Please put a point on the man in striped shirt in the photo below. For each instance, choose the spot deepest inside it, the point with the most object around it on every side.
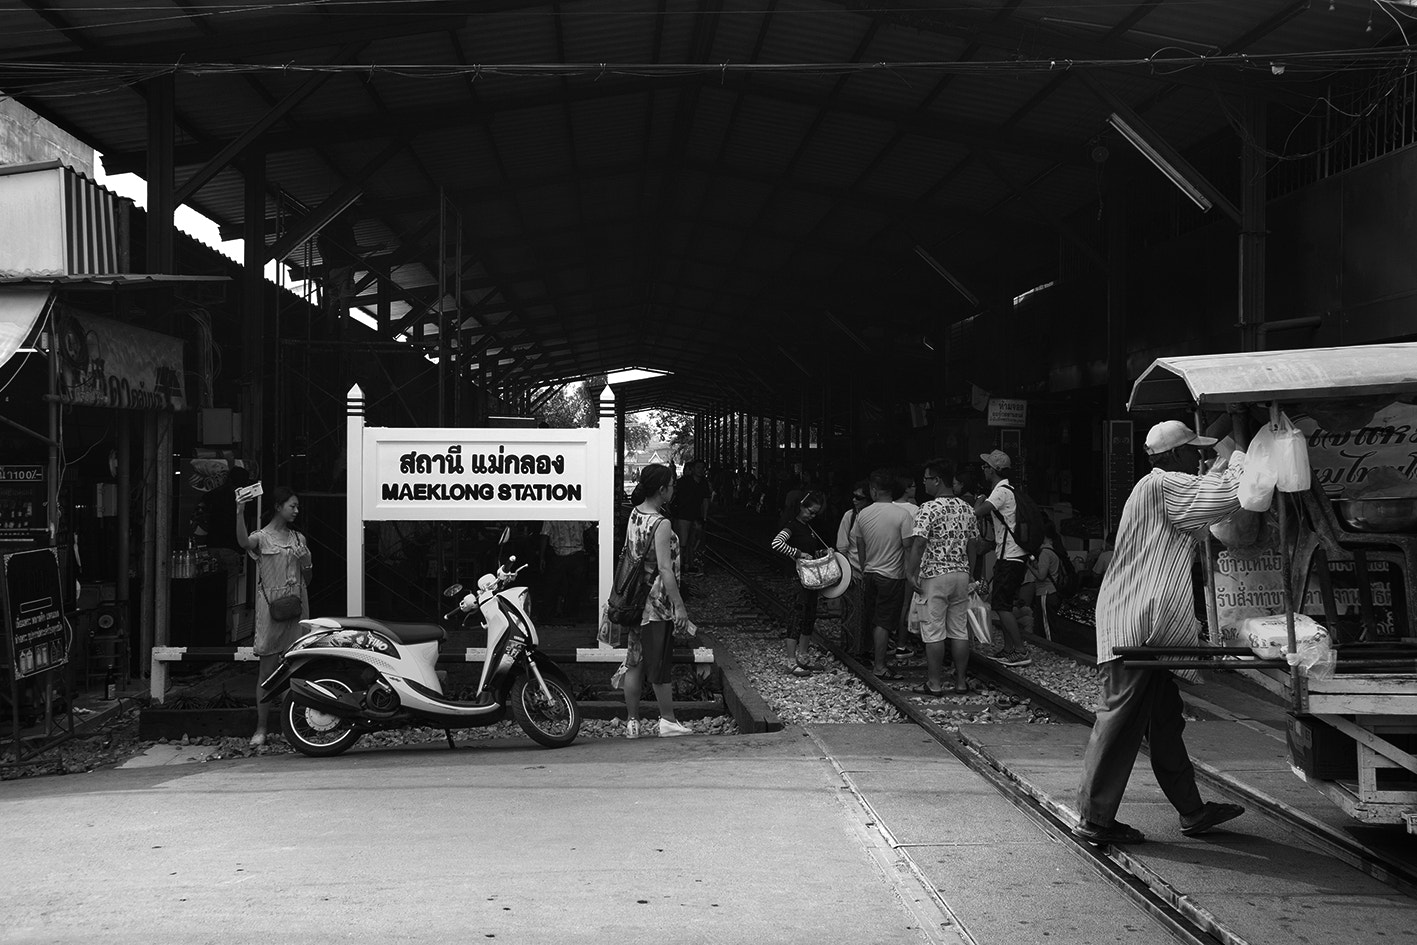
(1146, 600)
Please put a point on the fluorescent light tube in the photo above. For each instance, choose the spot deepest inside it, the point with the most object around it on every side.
(1162, 163)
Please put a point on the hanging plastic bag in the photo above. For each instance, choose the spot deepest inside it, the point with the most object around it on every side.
(1291, 456)
(980, 617)
(1259, 476)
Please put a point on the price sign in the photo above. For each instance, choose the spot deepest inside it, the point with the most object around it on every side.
(1121, 470)
(34, 612)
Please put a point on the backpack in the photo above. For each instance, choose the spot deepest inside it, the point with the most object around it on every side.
(1067, 579)
(1028, 522)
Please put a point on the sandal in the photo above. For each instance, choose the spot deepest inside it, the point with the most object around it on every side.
(258, 739)
(961, 691)
(800, 670)
(924, 690)
(889, 673)
(1115, 832)
(1211, 815)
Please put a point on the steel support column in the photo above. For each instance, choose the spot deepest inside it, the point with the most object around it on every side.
(1252, 225)
(1117, 379)
(162, 204)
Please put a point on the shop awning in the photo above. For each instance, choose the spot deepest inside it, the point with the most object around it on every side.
(21, 308)
(1285, 376)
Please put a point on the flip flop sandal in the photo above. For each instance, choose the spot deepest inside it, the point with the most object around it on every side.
(924, 690)
(957, 691)
(889, 674)
(1212, 815)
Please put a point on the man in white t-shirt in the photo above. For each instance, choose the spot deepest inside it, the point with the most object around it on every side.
(1010, 561)
(881, 532)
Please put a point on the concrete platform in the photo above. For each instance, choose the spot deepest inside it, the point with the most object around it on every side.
(1268, 883)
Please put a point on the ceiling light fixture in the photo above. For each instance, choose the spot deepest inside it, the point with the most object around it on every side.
(1160, 154)
(945, 274)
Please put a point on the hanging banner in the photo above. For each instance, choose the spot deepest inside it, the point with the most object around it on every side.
(105, 363)
(1347, 462)
(34, 612)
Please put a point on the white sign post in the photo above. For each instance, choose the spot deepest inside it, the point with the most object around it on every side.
(476, 475)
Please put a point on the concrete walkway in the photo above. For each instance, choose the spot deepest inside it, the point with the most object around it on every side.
(753, 839)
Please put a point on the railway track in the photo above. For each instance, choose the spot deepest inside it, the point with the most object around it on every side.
(767, 581)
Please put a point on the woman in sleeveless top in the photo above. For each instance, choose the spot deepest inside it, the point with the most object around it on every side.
(650, 647)
(283, 566)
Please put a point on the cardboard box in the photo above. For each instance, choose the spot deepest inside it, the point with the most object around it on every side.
(1320, 750)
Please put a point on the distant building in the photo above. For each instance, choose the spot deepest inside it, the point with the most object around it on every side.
(662, 453)
(25, 138)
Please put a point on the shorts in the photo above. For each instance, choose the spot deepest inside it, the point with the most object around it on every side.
(882, 601)
(946, 607)
(1004, 587)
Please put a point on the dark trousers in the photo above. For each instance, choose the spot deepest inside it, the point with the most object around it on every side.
(1137, 703)
(803, 622)
(565, 584)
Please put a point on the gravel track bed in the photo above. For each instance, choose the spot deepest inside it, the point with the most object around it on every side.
(836, 695)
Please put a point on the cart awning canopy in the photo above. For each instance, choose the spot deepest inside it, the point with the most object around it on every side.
(1286, 376)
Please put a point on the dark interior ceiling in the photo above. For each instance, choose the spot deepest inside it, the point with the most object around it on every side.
(717, 188)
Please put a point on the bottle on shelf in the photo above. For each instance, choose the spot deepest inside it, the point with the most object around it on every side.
(110, 682)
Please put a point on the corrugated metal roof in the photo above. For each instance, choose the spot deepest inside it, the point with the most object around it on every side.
(646, 190)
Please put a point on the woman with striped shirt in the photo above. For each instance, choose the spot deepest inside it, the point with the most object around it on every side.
(1146, 600)
(798, 539)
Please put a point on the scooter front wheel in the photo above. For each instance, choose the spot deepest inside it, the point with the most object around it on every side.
(315, 733)
(551, 722)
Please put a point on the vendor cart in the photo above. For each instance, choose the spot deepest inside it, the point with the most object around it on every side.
(1353, 726)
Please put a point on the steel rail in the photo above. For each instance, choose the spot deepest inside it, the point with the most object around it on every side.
(1116, 864)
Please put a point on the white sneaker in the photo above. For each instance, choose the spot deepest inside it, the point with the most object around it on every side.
(632, 728)
(668, 729)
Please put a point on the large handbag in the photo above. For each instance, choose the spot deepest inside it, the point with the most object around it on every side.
(630, 589)
(818, 573)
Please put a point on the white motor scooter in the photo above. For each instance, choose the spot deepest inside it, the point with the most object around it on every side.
(351, 675)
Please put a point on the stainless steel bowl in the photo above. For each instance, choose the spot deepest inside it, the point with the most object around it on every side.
(1378, 514)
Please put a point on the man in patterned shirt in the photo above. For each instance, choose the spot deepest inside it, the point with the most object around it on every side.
(937, 566)
(1146, 600)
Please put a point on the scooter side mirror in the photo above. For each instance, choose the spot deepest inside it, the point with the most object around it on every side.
(452, 590)
(505, 537)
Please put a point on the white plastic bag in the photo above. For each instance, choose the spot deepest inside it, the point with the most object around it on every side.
(1291, 456)
(981, 624)
(1259, 475)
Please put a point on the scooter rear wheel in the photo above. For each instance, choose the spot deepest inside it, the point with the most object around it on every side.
(552, 723)
(315, 733)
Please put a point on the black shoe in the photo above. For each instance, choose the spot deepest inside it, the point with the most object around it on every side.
(1210, 815)
(1115, 832)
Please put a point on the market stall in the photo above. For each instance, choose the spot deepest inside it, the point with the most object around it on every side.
(1328, 566)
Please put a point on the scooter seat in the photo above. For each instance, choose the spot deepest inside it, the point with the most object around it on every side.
(401, 632)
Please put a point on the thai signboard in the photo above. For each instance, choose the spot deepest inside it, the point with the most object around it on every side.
(495, 473)
(105, 363)
(1254, 587)
(34, 612)
(1343, 460)
(1007, 413)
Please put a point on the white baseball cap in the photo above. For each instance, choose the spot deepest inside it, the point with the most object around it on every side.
(1169, 434)
(997, 459)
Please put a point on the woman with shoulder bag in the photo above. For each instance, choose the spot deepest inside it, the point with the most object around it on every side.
(650, 646)
(283, 568)
(798, 540)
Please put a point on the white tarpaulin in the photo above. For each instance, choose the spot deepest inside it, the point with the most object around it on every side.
(20, 308)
